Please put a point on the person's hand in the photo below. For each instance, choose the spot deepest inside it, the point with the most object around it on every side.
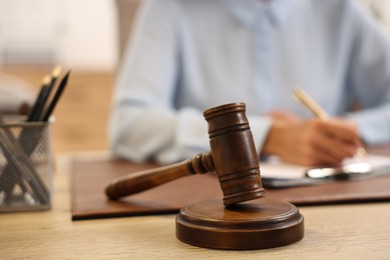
(283, 116)
(311, 142)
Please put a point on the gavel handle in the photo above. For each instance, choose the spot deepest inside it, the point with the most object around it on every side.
(144, 180)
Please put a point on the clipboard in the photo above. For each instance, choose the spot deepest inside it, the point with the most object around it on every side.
(90, 177)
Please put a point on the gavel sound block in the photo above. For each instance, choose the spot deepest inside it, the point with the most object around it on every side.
(244, 219)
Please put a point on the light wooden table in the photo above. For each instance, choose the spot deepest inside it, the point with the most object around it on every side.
(356, 231)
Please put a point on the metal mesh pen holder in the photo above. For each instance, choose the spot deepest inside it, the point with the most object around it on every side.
(25, 166)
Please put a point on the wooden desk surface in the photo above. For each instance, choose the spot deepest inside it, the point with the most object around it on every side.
(354, 231)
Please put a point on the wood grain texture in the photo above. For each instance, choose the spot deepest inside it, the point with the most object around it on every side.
(354, 231)
(256, 224)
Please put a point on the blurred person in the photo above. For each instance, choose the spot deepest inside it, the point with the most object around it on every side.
(186, 56)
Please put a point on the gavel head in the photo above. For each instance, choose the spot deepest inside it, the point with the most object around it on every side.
(234, 155)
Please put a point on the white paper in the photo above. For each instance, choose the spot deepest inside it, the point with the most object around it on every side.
(275, 168)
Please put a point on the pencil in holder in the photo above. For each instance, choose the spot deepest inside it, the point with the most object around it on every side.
(26, 166)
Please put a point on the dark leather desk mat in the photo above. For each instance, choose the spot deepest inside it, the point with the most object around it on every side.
(90, 177)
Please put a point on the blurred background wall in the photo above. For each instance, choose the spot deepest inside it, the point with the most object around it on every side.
(78, 34)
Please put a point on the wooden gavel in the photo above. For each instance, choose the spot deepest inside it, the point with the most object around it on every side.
(232, 156)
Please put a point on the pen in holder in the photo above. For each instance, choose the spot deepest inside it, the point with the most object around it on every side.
(25, 165)
(25, 154)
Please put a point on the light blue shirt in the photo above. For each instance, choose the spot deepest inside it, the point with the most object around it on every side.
(186, 56)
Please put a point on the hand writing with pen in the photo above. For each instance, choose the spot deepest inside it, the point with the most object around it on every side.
(312, 142)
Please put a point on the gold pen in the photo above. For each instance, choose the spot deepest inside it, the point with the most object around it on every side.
(312, 106)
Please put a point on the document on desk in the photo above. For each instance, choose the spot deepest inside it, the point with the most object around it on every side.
(278, 174)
